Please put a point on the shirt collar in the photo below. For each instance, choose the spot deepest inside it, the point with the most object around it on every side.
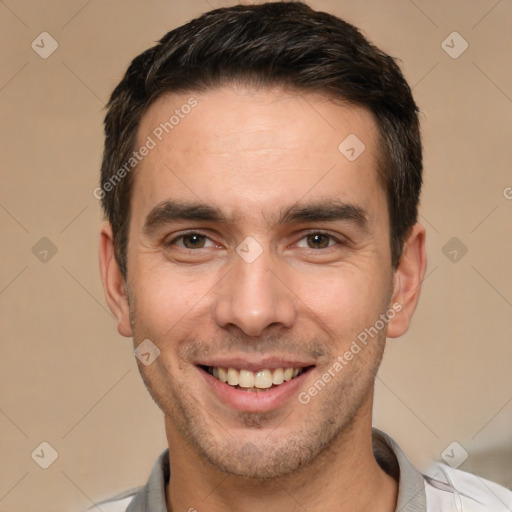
(411, 484)
(411, 488)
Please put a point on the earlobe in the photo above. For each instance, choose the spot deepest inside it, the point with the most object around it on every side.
(114, 284)
(407, 281)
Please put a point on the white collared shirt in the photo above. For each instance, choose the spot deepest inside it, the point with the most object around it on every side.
(441, 489)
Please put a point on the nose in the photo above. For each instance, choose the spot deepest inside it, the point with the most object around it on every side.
(253, 297)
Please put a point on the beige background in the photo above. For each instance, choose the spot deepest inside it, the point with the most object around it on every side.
(69, 379)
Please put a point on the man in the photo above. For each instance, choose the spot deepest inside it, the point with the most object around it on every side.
(261, 179)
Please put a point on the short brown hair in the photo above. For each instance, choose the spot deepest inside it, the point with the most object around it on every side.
(271, 44)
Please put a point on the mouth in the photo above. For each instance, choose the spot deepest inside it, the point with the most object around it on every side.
(262, 380)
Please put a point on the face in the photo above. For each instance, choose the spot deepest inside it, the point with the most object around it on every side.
(259, 253)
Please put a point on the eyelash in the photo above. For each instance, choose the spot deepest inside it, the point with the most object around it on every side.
(322, 233)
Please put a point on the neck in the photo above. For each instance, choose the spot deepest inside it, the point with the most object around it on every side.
(345, 477)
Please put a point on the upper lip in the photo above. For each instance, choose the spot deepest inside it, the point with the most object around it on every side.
(255, 364)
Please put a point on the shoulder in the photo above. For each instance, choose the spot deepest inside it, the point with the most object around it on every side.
(146, 497)
(452, 489)
(118, 503)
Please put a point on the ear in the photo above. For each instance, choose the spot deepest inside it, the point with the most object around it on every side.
(407, 281)
(114, 284)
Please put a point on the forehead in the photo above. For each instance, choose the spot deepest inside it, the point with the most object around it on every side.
(247, 149)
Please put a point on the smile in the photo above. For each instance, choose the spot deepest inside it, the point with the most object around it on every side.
(255, 381)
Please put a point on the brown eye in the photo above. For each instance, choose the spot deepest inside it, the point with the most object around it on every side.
(318, 241)
(193, 241)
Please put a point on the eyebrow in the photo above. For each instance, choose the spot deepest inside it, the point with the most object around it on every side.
(172, 211)
(320, 211)
(326, 211)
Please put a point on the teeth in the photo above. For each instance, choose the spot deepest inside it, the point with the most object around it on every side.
(246, 379)
(223, 375)
(278, 376)
(262, 379)
(232, 377)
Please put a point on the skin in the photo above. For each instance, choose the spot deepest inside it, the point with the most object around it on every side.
(253, 154)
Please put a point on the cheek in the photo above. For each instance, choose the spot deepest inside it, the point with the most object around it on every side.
(345, 300)
(168, 301)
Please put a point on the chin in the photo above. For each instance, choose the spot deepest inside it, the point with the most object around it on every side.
(264, 461)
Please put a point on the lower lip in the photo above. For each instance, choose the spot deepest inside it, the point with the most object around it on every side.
(255, 401)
